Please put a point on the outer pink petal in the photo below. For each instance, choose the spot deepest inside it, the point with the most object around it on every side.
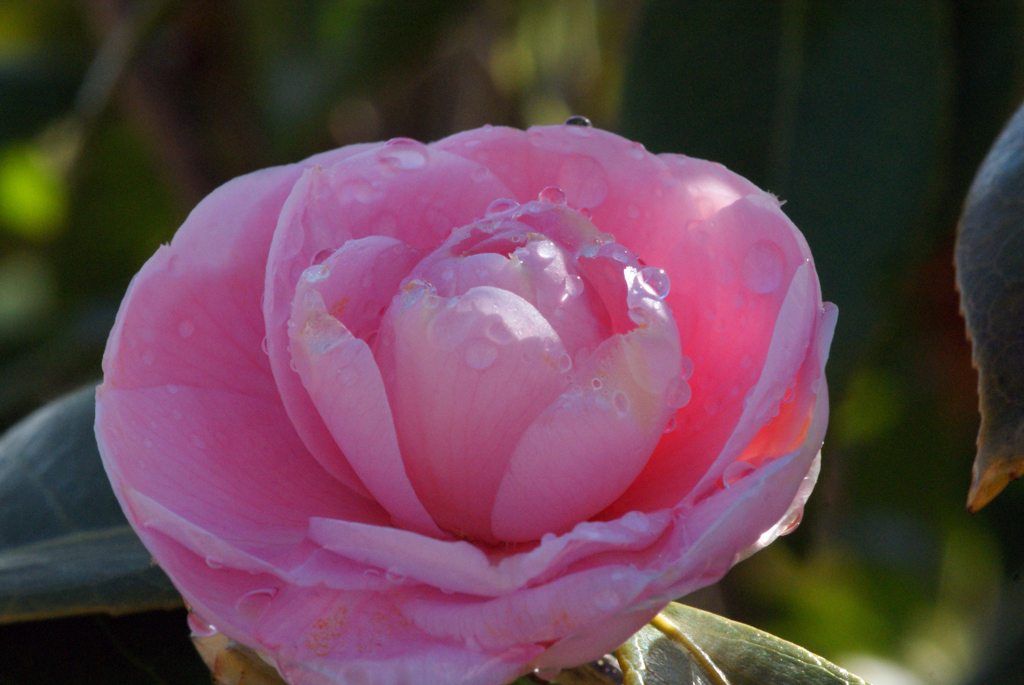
(321, 636)
(405, 191)
(188, 412)
(634, 195)
(461, 567)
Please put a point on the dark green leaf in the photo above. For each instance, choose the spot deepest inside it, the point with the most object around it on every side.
(150, 648)
(837, 107)
(990, 275)
(687, 646)
(65, 546)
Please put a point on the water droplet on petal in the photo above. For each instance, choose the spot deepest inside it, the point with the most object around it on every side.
(499, 332)
(480, 354)
(397, 157)
(596, 383)
(578, 120)
(316, 273)
(616, 252)
(573, 285)
(214, 563)
(371, 573)
(394, 576)
(679, 393)
(621, 403)
(546, 249)
(636, 150)
(251, 605)
(798, 516)
(502, 205)
(763, 267)
(552, 195)
(672, 424)
(265, 345)
(735, 471)
(687, 365)
(606, 600)
(321, 257)
(564, 363)
(655, 282)
(199, 626)
(186, 328)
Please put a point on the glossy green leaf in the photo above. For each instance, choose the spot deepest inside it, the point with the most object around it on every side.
(990, 276)
(65, 546)
(687, 646)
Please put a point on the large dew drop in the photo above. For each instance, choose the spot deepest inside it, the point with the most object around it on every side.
(480, 354)
(552, 195)
(655, 282)
(763, 267)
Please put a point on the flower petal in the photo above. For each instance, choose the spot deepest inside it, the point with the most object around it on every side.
(340, 374)
(600, 432)
(403, 191)
(749, 269)
(467, 380)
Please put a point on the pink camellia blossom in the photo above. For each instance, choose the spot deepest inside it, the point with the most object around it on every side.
(408, 413)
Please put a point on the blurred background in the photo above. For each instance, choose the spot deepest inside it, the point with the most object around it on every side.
(868, 118)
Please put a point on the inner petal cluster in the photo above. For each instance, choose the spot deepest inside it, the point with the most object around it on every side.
(526, 367)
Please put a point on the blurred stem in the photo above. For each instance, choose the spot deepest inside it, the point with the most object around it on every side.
(113, 57)
(787, 99)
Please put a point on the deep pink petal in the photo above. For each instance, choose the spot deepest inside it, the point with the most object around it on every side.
(402, 191)
(741, 266)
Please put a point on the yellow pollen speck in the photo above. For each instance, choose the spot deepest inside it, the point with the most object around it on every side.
(339, 307)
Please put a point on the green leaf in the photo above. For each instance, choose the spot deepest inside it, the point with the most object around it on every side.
(990, 276)
(684, 646)
(836, 107)
(65, 546)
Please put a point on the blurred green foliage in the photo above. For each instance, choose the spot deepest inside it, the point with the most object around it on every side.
(868, 119)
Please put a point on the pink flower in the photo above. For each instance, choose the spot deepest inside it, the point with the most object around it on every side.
(383, 424)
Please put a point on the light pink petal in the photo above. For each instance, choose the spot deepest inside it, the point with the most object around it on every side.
(340, 374)
(188, 413)
(403, 191)
(215, 459)
(319, 636)
(470, 374)
(644, 200)
(542, 613)
(461, 567)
